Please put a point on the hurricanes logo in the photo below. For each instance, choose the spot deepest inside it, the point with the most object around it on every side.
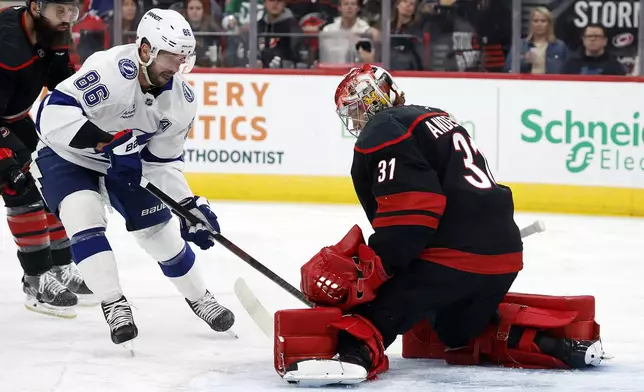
(580, 157)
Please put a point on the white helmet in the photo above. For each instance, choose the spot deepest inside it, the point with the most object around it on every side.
(166, 30)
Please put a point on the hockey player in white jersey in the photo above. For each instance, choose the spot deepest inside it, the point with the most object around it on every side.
(125, 114)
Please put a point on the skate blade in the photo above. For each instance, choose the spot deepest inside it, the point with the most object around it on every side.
(129, 346)
(54, 311)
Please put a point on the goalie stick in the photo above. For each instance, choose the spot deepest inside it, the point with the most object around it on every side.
(263, 318)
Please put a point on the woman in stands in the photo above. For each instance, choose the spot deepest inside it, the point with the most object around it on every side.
(541, 51)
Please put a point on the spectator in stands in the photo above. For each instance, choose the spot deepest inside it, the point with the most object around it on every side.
(281, 38)
(102, 8)
(493, 24)
(453, 40)
(593, 58)
(130, 18)
(236, 14)
(338, 39)
(541, 51)
(406, 37)
(89, 34)
(370, 11)
(327, 9)
(311, 24)
(208, 46)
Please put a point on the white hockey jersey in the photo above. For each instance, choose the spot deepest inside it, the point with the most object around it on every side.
(106, 90)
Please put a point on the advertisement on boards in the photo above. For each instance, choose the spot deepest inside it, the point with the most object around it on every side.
(577, 136)
(267, 124)
(539, 132)
(270, 124)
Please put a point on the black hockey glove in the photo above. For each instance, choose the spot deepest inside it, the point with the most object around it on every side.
(15, 179)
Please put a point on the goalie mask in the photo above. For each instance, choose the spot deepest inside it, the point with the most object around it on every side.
(362, 93)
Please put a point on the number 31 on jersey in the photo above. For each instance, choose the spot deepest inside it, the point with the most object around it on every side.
(476, 176)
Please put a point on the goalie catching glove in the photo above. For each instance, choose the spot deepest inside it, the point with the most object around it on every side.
(201, 234)
(343, 275)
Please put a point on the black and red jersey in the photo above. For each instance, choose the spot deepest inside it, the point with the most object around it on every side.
(429, 194)
(25, 68)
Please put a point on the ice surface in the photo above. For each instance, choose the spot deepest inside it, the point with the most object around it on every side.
(177, 352)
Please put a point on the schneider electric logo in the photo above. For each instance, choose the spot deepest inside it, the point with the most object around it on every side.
(592, 142)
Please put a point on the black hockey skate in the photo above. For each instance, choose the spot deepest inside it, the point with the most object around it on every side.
(71, 277)
(46, 295)
(118, 315)
(209, 310)
(580, 354)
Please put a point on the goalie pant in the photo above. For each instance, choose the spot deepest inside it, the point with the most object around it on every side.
(438, 309)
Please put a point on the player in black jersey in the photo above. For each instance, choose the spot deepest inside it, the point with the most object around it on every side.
(34, 54)
(445, 250)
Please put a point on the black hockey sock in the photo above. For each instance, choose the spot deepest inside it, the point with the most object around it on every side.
(35, 263)
(61, 257)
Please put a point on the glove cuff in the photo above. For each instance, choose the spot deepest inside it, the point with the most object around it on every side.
(374, 271)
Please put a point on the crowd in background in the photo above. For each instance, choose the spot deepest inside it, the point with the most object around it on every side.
(430, 35)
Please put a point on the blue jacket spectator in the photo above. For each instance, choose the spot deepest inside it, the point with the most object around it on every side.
(541, 51)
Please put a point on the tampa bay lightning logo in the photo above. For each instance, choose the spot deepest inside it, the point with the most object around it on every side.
(187, 92)
(128, 69)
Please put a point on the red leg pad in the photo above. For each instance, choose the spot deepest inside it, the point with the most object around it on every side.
(422, 342)
(304, 334)
(583, 327)
(569, 317)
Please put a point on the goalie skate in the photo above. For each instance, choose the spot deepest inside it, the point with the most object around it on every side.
(322, 372)
(584, 353)
(46, 295)
(70, 277)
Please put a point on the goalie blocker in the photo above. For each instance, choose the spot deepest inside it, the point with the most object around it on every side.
(531, 331)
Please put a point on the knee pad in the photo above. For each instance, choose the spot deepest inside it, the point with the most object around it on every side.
(162, 242)
(561, 317)
(82, 210)
(313, 334)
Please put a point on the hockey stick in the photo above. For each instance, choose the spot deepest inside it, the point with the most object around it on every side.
(184, 213)
(536, 227)
(263, 318)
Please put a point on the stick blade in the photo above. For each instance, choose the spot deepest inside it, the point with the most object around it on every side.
(254, 308)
